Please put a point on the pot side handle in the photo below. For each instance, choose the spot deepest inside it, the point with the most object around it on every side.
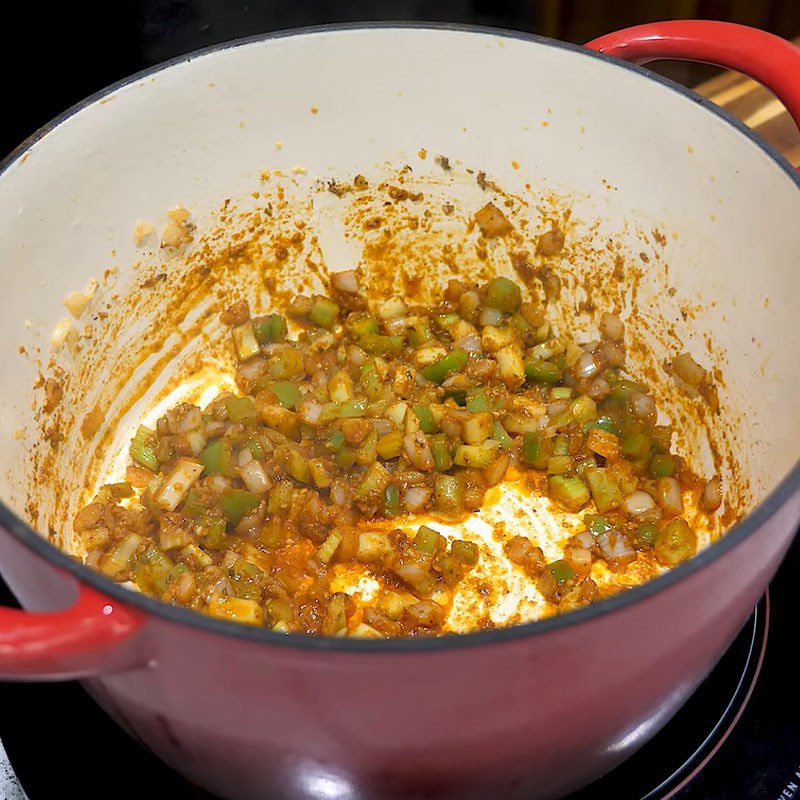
(76, 642)
(768, 59)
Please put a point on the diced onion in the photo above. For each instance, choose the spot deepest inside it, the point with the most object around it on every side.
(557, 409)
(711, 498)
(310, 411)
(584, 539)
(254, 477)
(184, 419)
(394, 307)
(688, 370)
(614, 547)
(345, 281)
(178, 483)
(580, 559)
(643, 405)
(496, 471)
(397, 413)
(416, 497)
(418, 450)
(117, 560)
(611, 327)
(518, 423)
(396, 326)
(219, 483)
(669, 496)
(364, 631)
(328, 548)
(639, 504)
(356, 355)
(471, 343)
(338, 494)
(197, 442)
(599, 389)
(585, 366)
(613, 352)
(250, 370)
(215, 428)
(490, 316)
(372, 546)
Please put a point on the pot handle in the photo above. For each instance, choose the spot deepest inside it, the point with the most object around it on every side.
(772, 61)
(75, 642)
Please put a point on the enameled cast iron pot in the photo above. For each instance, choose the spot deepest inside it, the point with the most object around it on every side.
(530, 711)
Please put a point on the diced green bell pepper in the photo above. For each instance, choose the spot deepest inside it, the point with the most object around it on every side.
(288, 393)
(452, 362)
(379, 345)
(429, 541)
(391, 501)
(449, 494)
(635, 445)
(427, 424)
(571, 492)
(646, 533)
(235, 503)
(597, 524)
(540, 371)
(504, 295)
(442, 459)
(662, 466)
(217, 458)
(271, 328)
(373, 387)
(240, 409)
(323, 312)
(604, 488)
(536, 451)
(215, 536)
(477, 401)
(465, 552)
(499, 434)
(561, 571)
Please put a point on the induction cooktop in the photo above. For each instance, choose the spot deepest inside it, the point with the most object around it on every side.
(737, 738)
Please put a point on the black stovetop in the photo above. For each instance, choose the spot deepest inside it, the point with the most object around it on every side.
(737, 738)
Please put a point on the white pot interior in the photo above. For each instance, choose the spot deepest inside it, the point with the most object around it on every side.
(557, 129)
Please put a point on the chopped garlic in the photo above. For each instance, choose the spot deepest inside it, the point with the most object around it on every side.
(142, 231)
(179, 214)
(75, 303)
(59, 334)
(174, 235)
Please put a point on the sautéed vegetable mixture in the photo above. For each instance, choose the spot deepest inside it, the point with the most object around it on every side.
(376, 413)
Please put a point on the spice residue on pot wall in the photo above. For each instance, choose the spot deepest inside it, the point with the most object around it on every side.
(150, 336)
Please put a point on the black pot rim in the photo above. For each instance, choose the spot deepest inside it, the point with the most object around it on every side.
(734, 537)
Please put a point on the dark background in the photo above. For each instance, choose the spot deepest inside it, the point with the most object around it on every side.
(55, 54)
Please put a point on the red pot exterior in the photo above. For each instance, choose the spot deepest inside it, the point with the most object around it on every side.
(530, 717)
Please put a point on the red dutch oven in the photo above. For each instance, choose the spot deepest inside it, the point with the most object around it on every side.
(528, 711)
